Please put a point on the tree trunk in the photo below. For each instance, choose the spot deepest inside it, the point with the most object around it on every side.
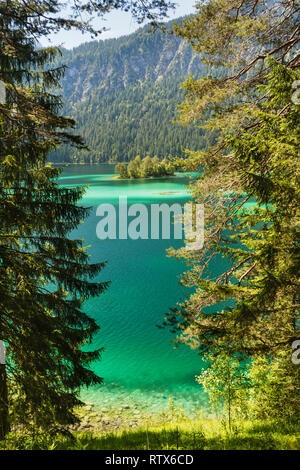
(229, 397)
(4, 427)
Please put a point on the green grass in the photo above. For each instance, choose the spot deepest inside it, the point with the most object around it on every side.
(206, 434)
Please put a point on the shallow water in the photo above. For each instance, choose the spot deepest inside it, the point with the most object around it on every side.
(140, 366)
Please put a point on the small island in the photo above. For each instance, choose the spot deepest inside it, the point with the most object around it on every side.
(145, 168)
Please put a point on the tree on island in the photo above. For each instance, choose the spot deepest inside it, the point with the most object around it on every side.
(145, 168)
(45, 276)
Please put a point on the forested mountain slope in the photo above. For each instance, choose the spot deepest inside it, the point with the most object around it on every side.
(123, 93)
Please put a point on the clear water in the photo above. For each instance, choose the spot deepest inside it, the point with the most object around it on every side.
(140, 366)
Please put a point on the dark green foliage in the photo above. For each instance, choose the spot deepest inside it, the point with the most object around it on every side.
(123, 94)
(44, 275)
(249, 186)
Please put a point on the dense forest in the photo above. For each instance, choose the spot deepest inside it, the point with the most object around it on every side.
(124, 92)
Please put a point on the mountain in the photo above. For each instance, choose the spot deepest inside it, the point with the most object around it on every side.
(123, 94)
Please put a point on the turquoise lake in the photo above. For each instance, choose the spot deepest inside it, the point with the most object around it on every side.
(139, 365)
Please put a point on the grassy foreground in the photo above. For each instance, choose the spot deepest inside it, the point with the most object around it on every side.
(202, 434)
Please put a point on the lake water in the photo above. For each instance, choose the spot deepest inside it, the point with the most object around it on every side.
(139, 365)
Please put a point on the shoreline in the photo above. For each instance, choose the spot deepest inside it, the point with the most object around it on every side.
(102, 419)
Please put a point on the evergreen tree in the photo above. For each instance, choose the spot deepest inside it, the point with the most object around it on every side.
(44, 275)
(248, 183)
